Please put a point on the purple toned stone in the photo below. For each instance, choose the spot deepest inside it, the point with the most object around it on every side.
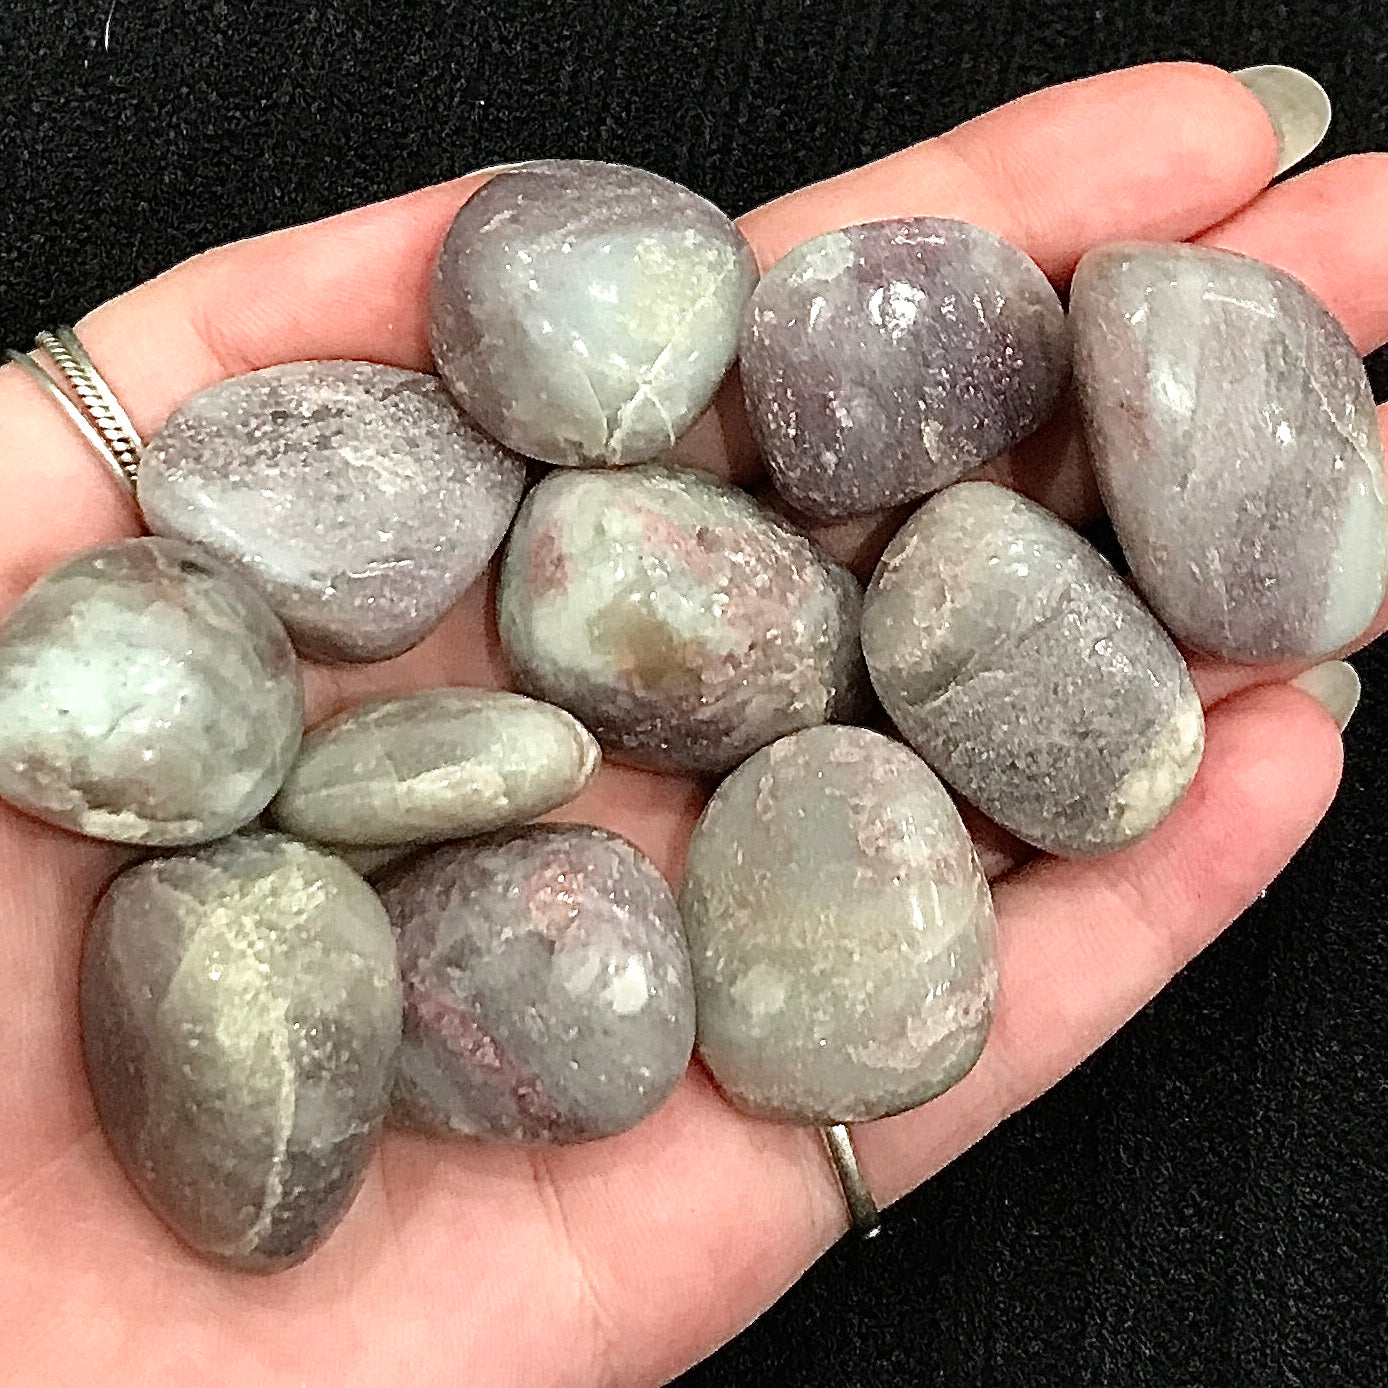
(354, 496)
(683, 624)
(547, 988)
(1236, 446)
(884, 361)
(585, 313)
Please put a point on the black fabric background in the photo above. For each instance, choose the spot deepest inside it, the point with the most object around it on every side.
(1204, 1202)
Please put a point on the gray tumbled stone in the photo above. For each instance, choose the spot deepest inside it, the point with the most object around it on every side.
(356, 497)
(684, 625)
(1236, 446)
(585, 313)
(840, 931)
(1023, 669)
(547, 988)
(241, 1018)
(441, 764)
(147, 695)
(886, 360)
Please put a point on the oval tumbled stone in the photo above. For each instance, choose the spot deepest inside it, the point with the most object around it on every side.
(147, 695)
(1237, 448)
(840, 931)
(241, 1017)
(1023, 669)
(682, 623)
(547, 989)
(584, 313)
(442, 764)
(356, 497)
(886, 360)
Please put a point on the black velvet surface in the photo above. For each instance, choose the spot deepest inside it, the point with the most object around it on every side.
(1203, 1203)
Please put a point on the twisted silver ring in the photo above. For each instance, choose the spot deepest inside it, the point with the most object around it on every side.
(863, 1214)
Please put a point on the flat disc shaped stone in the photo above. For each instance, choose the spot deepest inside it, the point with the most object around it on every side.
(841, 932)
(443, 764)
(1026, 672)
(241, 1018)
(684, 625)
(1237, 448)
(886, 360)
(354, 496)
(585, 313)
(547, 988)
(147, 695)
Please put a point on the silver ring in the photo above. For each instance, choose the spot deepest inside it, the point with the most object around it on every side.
(863, 1214)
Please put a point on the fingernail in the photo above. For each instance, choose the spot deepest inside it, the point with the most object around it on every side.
(496, 169)
(1296, 105)
(1334, 686)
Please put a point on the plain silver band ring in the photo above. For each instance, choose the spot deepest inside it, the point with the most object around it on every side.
(862, 1208)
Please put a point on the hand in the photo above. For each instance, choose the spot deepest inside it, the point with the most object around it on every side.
(623, 1261)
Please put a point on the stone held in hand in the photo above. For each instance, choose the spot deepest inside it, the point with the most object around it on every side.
(884, 361)
(147, 695)
(1237, 448)
(1024, 670)
(547, 988)
(241, 1018)
(440, 764)
(356, 497)
(584, 313)
(682, 623)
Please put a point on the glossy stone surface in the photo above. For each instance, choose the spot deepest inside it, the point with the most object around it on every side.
(886, 360)
(442, 764)
(840, 930)
(241, 1018)
(684, 625)
(356, 497)
(547, 988)
(584, 313)
(147, 695)
(1237, 448)
(1025, 671)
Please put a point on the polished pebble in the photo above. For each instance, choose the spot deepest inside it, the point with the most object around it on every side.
(356, 497)
(840, 930)
(683, 624)
(147, 695)
(441, 764)
(241, 1018)
(547, 988)
(1237, 448)
(585, 313)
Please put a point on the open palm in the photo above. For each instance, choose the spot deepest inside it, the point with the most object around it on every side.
(623, 1261)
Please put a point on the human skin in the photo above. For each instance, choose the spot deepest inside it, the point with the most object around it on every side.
(623, 1261)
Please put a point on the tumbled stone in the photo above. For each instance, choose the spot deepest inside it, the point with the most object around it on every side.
(547, 989)
(356, 497)
(147, 695)
(1237, 449)
(684, 625)
(585, 313)
(241, 1017)
(886, 360)
(840, 931)
(442, 764)
(1022, 668)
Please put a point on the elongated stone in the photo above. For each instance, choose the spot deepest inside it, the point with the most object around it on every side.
(840, 930)
(1237, 449)
(356, 497)
(682, 623)
(147, 695)
(547, 988)
(584, 313)
(241, 1018)
(443, 764)
(884, 361)
(1023, 669)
